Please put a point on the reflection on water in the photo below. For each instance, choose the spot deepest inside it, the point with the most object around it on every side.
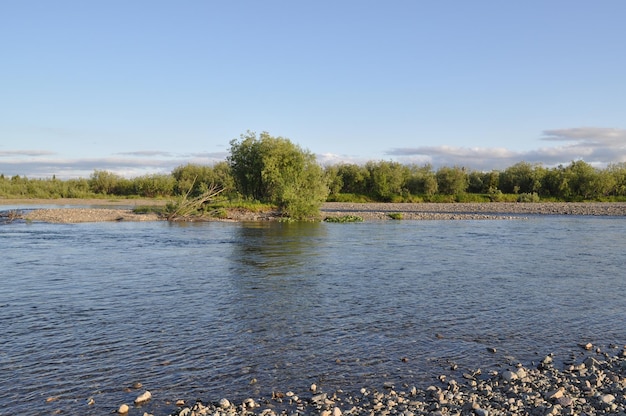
(201, 310)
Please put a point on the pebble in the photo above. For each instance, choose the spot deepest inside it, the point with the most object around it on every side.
(144, 397)
(607, 398)
(509, 375)
(598, 389)
(123, 409)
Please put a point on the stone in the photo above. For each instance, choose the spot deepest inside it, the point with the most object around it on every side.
(250, 403)
(481, 412)
(313, 387)
(607, 398)
(144, 397)
(555, 394)
(565, 401)
(224, 403)
(336, 411)
(123, 409)
(590, 362)
(319, 399)
(509, 376)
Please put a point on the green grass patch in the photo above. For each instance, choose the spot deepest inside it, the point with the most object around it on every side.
(344, 219)
(396, 216)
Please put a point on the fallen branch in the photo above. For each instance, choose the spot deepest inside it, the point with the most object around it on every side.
(186, 208)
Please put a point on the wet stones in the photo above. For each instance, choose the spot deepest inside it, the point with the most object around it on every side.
(144, 397)
(594, 385)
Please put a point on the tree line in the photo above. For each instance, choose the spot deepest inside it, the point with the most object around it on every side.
(274, 170)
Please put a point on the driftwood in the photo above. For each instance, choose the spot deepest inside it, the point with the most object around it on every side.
(186, 208)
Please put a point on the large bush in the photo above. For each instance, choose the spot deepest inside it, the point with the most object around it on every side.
(273, 169)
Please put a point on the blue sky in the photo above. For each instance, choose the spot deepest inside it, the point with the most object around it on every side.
(137, 87)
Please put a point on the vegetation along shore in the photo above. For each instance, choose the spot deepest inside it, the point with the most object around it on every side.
(266, 176)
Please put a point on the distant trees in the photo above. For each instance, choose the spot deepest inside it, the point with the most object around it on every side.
(198, 179)
(276, 171)
(452, 181)
(390, 181)
(386, 179)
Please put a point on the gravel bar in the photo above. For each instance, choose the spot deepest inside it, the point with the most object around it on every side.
(367, 211)
(490, 210)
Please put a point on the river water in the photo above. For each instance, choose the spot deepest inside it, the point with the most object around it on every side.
(237, 310)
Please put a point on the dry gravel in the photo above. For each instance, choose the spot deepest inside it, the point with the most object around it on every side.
(368, 211)
(493, 210)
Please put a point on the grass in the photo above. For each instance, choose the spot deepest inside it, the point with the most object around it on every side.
(396, 216)
(344, 219)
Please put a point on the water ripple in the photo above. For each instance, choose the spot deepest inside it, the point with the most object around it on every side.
(198, 311)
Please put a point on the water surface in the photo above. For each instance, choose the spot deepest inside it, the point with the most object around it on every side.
(199, 310)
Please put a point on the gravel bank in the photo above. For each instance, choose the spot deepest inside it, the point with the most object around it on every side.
(368, 211)
(78, 215)
(593, 384)
(493, 210)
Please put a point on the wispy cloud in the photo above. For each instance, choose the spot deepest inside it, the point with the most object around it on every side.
(27, 153)
(597, 146)
(594, 145)
(591, 135)
(146, 153)
(44, 166)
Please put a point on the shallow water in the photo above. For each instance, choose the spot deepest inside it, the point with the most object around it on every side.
(199, 310)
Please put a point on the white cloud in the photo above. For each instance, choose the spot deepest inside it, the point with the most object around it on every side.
(594, 145)
(591, 135)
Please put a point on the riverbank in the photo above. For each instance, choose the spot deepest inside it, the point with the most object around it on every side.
(89, 210)
(592, 384)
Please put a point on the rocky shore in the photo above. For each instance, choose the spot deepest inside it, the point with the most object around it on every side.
(367, 211)
(594, 384)
(491, 210)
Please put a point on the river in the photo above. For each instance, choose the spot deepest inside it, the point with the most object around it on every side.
(237, 310)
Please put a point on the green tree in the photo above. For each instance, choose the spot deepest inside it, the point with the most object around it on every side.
(422, 180)
(333, 179)
(103, 182)
(520, 178)
(452, 181)
(199, 178)
(354, 178)
(386, 179)
(618, 172)
(582, 180)
(273, 169)
(151, 186)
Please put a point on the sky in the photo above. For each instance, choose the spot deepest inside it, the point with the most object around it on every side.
(140, 87)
